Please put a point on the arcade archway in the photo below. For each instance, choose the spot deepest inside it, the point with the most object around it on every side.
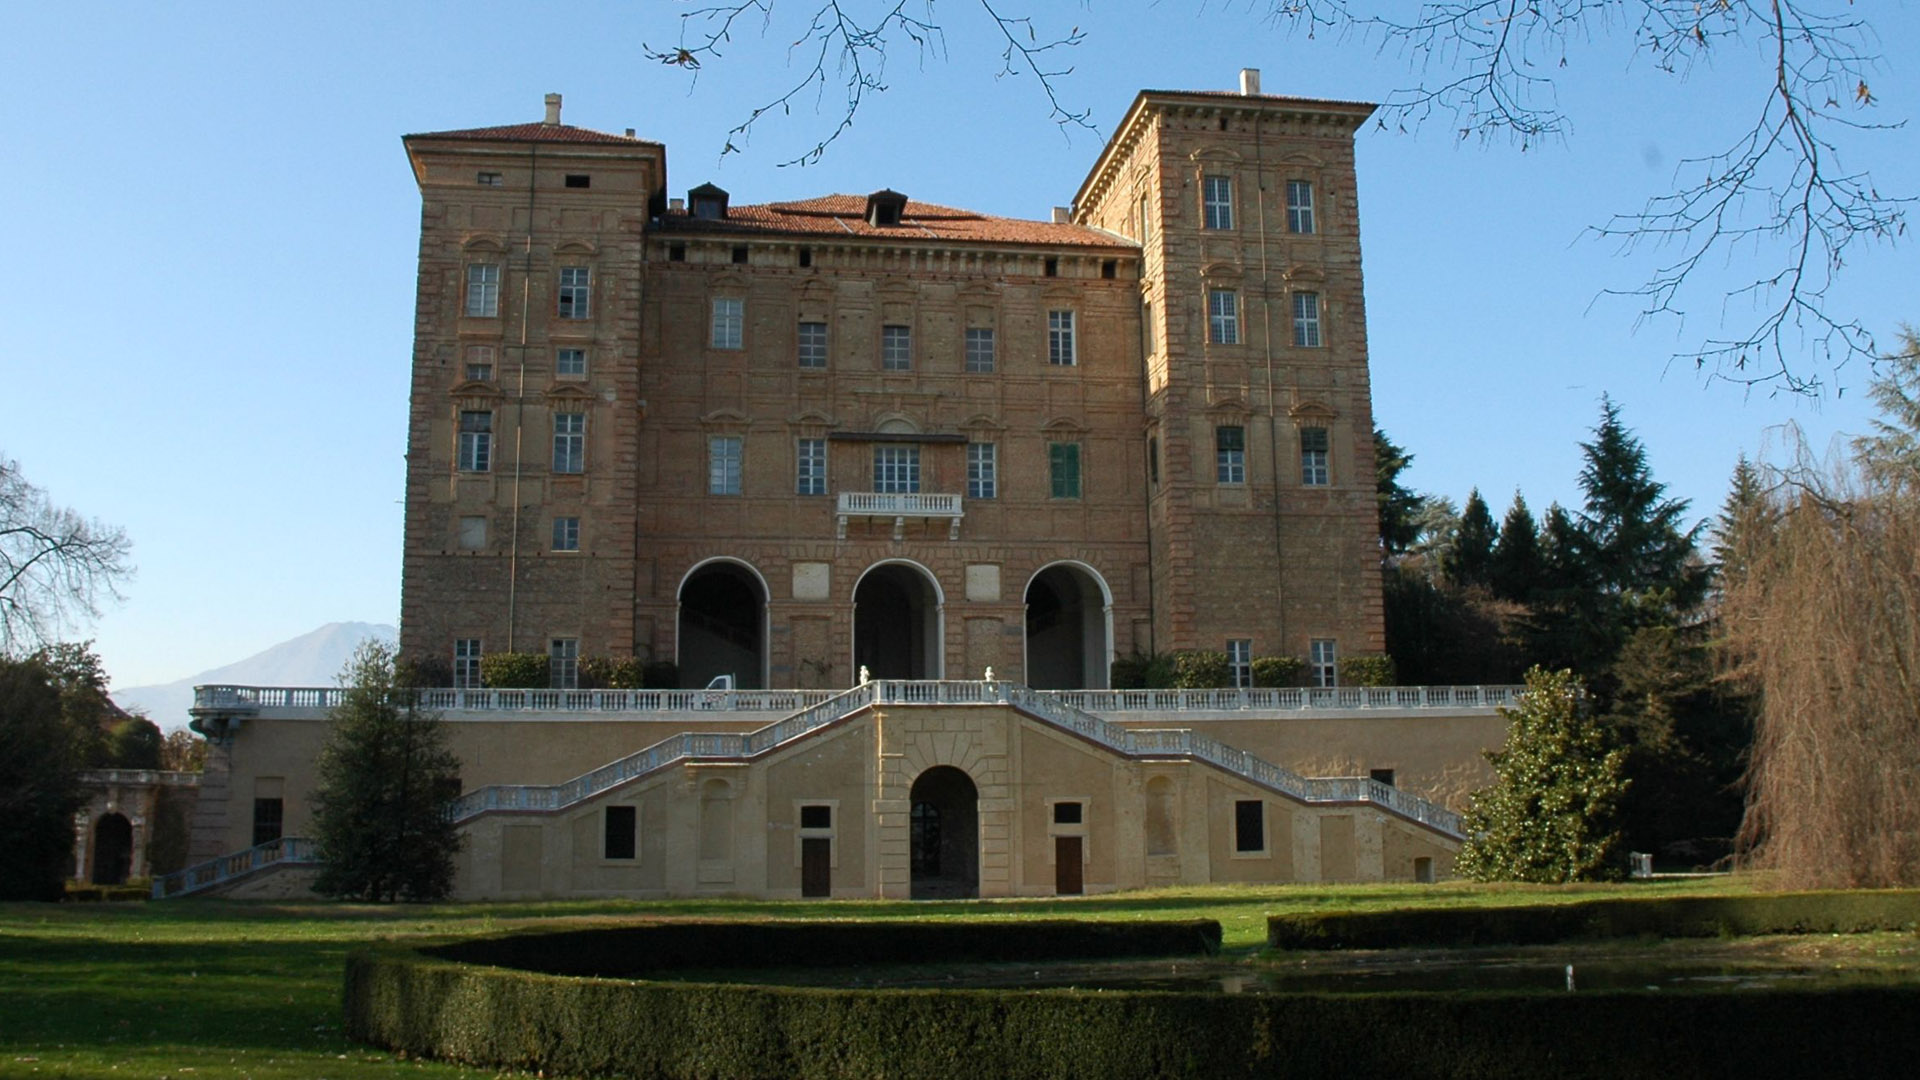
(723, 625)
(1068, 639)
(945, 823)
(896, 622)
(112, 849)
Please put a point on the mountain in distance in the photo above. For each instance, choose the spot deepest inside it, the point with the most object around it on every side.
(312, 659)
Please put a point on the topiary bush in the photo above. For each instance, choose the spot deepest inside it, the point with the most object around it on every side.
(514, 671)
(1279, 671)
(1200, 669)
(1374, 670)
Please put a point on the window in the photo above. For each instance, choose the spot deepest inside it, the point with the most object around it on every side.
(982, 478)
(980, 350)
(566, 534)
(1230, 454)
(1299, 206)
(1381, 776)
(570, 362)
(1322, 663)
(620, 832)
(813, 344)
(816, 817)
(1306, 320)
(579, 180)
(810, 469)
(576, 289)
(569, 442)
(1313, 456)
(1249, 826)
(896, 348)
(476, 441)
(676, 253)
(1052, 267)
(740, 255)
(1110, 269)
(729, 318)
(479, 363)
(490, 179)
(466, 663)
(1153, 460)
(1240, 661)
(473, 533)
(1223, 317)
(267, 817)
(1060, 338)
(806, 257)
(1216, 202)
(896, 469)
(1067, 813)
(1063, 469)
(563, 663)
(723, 465)
(709, 209)
(483, 291)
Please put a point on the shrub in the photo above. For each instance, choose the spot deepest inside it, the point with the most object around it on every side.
(611, 673)
(1279, 671)
(1375, 670)
(1199, 669)
(426, 671)
(514, 671)
(660, 675)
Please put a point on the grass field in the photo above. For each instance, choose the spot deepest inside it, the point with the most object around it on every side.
(198, 989)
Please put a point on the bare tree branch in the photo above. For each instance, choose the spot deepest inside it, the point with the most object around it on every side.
(55, 566)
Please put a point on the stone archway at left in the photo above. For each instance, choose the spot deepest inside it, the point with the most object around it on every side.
(722, 625)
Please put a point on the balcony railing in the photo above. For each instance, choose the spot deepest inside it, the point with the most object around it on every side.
(900, 506)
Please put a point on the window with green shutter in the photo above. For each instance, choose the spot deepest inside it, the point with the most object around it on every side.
(1063, 465)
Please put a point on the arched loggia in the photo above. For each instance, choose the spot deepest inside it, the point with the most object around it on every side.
(723, 625)
(897, 622)
(1069, 628)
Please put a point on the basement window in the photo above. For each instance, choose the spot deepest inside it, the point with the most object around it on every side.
(806, 257)
(491, 179)
(579, 180)
(676, 253)
(740, 255)
(1249, 827)
(620, 833)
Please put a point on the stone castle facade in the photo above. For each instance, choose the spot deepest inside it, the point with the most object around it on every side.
(787, 441)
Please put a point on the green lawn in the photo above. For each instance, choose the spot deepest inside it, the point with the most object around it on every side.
(198, 989)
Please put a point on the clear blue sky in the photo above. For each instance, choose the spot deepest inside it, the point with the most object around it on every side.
(208, 311)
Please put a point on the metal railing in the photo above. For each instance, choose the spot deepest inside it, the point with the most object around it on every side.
(288, 850)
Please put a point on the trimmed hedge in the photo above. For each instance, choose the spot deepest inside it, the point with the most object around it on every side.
(514, 671)
(1281, 671)
(1201, 669)
(499, 1018)
(84, 892)
(1369, 670)
(1667, 917)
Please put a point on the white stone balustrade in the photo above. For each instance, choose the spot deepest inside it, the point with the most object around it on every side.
(899, 506)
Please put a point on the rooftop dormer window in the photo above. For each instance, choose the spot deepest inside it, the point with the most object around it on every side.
(885, 208)
(709, 203)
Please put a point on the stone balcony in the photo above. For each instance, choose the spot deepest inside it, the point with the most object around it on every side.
(899, 506)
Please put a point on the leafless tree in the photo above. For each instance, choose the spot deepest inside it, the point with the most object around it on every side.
(56, 567)
(1773, 195)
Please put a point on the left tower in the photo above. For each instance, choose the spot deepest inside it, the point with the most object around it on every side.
(520, 524)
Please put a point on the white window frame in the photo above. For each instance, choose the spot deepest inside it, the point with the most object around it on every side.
(1306, 320)
(563, 663)
(810, 467)
(483, 291)
(1315, 446)
(981, 355)
(983, 468)
(1240, 661)
(570, 443)
(729, 322)
(1300, 207)
(566, 533)
(1323, 661)
(1223, 316)
(896, 469)
(479, 363)
(466, 664)
(1216, 201)
(474, 449)
(574, 298)
(1060, 343)
(896, 347)
(724, 457)
(810, 345)
(570, 363)
(1229, 462)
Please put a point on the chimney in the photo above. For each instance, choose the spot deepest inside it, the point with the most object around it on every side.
(553, 109)
(629, 133)
(1250, 82)
(1062, 215)
(676, 204)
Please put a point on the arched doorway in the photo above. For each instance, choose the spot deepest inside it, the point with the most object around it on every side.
(896, 622)
(112, 849)
(1067, 633)
(723, 625)
(945, 823)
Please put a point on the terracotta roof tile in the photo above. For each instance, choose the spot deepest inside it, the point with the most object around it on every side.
(845, 216)
(537, 132)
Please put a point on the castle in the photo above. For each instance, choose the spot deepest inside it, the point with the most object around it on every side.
(803, 445)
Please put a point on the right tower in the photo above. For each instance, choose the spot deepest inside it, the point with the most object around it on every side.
(1258, 417)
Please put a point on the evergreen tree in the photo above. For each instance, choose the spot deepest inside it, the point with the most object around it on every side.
(1399, 507)
(1746, 508)
(1631, 537)
(1891, 455)
(384, 780)
(1551, 814)
(39, 791)
(1470, 562)
(1516, 554)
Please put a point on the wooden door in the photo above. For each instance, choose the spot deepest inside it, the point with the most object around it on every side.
(1066, 866)
(816, 866)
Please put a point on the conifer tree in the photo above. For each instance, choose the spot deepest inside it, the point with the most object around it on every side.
(1552, 812)
(1631, 535)
(1470, 562)
(1516, 554)
(39, 791)
(385, 778)
(1746, 508)
(1399, 506)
